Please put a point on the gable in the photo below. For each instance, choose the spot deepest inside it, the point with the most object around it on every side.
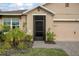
(40, 7)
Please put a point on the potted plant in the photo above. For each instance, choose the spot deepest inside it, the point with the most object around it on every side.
(50, 37)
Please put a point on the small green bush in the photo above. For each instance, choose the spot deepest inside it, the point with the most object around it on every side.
(50, 35)
(4, 48)
(6, 28)
(15, 36)
(6, 45)
(1, 27)
(2, 51)
(22, 45)
(1, 33)
(29, 37)
(1, 36)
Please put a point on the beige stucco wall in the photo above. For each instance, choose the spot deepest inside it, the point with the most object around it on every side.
(23, 19)
(62, 12)
(49, 20)
(65, 30)
(60, 8)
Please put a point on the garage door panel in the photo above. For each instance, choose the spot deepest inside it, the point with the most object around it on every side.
(65, 31)
(77, 31)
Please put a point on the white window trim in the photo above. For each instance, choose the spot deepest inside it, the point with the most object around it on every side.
(15, 25)
(39, 14)
(11, 22)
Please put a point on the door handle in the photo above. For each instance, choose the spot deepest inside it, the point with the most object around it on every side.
(74, 32)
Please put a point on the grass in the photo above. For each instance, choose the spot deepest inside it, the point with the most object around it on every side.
(34, 52)
(43, 52)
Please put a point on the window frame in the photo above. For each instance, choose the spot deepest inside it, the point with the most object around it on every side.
(15, 21)
(11, 20)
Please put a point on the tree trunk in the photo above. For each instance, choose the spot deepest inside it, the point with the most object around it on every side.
(15, 43)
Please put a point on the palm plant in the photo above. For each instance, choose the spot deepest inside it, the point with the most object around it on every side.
(1, 27)
(29, 37)
(6, 28)
(1, 32)
(15, 36)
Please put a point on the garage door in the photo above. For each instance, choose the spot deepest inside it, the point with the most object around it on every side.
(66, 31)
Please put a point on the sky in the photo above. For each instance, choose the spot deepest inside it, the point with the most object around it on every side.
(17, 6)
(27, 4)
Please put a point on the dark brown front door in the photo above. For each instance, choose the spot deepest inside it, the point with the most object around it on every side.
(39, 27)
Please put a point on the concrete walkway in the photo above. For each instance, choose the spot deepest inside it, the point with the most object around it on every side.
(72, 48)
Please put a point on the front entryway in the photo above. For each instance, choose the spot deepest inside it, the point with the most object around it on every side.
(39, 27)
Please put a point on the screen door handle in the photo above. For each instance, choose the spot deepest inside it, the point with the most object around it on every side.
(74, 32)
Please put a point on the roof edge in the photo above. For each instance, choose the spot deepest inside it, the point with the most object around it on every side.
(32, 8)
(37, 7)
(47, 9)
(9, 14)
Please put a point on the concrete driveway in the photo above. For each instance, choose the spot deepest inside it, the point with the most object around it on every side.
(72, 48)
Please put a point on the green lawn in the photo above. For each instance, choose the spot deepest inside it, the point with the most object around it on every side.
(43, 52)
(34, 52)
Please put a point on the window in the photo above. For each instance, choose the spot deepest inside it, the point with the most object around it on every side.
(7, 21)
(66, 4)
(15, 23)
(11, 22)
(7, 24)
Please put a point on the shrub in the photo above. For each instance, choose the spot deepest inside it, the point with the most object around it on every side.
(4, 48)
(6, 28)
(50, 35)
(22, 45)
(15, 36)
(29, 37)
(6, 45)
(2, 51)
(1, 33)
(1, 27)
(1, 36)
